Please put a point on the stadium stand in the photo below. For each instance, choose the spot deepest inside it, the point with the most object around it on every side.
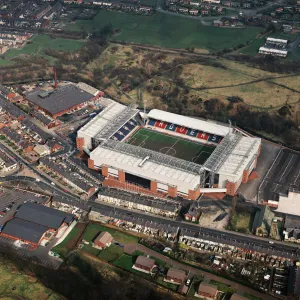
(190, 132)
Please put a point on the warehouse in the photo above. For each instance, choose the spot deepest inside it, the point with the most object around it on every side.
(57, 102)
(33, 223)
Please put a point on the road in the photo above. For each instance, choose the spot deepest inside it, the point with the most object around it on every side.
(230, 238)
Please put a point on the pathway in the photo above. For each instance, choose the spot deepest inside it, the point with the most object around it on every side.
(132, 247)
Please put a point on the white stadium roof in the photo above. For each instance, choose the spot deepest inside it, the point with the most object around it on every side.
(233, 155)
(196, 124)
(104, 118)
(145, 167)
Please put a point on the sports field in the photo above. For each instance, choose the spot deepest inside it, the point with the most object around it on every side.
(171, 145)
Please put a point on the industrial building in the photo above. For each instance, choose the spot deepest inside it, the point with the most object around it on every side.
(63, 99)
(167, 154)
(275, 47)
(34, 223)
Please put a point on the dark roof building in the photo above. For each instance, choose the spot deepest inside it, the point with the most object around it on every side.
(33, 129)
(59, 101)
(43, 215)
(263, 221)
(24, 230)
(294, 281)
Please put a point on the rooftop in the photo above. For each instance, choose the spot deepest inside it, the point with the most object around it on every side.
(175, 273)
(233, 155)
(145, 261)
(160, 167)
(290, 203)
(189, 122)
(24, 230)
(43, 215)
(59, 100)
(207, 288)
(162, 204)
(104, 237)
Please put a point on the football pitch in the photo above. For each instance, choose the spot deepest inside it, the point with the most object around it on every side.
(171, 145)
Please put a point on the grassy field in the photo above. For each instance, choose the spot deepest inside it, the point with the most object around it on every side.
(222, 286)
(94, 229)
(61, 248)
(15, 284)
(242, 221)
(171, 145)
(167, 31)
(41, 42)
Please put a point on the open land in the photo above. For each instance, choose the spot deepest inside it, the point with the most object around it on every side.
(15, 284)
(171, 145)
(166, 31)
(210, 78)
(39, 43)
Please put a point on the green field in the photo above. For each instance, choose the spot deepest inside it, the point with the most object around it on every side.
(41, 42)
(16, 284)
(167, 31)
(171, 145)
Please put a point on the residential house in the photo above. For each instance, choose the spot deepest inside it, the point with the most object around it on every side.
(193, 12)
(54, 146)
(144, 264)
(103, 240)
(263, 221)
(7, 164)
(41, 150)
(175, 276)
(193, 213)
(207, 291)
(69, 176)
(146, 203)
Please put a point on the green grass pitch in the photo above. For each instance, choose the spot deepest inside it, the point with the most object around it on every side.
(171, 145)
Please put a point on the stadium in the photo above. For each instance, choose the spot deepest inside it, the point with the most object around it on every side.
(166, 154)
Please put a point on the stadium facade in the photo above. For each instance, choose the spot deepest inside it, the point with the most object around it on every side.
(167, 154)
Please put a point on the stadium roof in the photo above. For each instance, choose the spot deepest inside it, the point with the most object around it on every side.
(43, 215)
(233, 155)
(148, 164)
(108, 121)
(197, 124)
(59, 100)
(24, 230)
(95, 126)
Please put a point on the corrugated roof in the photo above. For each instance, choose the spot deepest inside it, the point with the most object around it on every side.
(24, 230)
(188, 122)
(61, 99)
(150, 169)
(45, 216)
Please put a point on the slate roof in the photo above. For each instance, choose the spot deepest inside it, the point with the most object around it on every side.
(43, 215)
(66, 173)
(41, 117)
(61, 99)
(24, 230)
(35, 129)
(161, 204)
(11, 108)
